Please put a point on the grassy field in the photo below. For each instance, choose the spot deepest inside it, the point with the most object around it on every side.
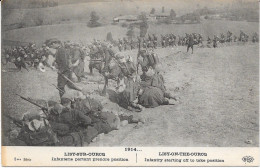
(80, 32)
(54, 15)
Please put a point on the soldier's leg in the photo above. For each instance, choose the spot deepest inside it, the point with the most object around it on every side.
(17, 64)
(90, 66)
(24, 65)
(169, 95)
(61, 84)
(192, 49)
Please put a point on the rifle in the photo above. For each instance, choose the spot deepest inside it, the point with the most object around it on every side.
(76, 87)
(17, 122)
(139, 47)
(96, 60)
(59, 89)
(44, 109)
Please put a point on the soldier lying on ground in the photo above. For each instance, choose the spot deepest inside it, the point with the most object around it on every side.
(69, 125)
(151, 97)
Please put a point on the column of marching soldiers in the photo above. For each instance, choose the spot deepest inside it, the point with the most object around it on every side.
(77, 119)
(30, 55)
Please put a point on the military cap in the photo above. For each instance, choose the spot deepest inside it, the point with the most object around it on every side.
(35, 124)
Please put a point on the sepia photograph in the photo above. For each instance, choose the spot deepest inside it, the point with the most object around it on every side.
(130, 73)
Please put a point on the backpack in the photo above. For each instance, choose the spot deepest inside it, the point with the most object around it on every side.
(88, 105)
(128, 68)
(153, 59)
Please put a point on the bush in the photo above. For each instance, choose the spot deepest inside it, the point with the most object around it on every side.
(93, 24)
(94, 20)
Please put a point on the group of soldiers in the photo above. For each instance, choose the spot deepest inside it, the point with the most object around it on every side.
(26, 56)
(74, 121)
(243, 37)
(31, 56)
(77, 119)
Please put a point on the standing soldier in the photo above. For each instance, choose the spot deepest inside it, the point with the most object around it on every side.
(209, 40)
(132, 45)
(154, 41)
(255, 37)
(78, 55)
(64, 66)
(120, 44)
(190, 43)
(215, 40)
(235, 38)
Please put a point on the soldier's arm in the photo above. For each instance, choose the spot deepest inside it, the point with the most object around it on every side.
(83, 118)
(145, 62)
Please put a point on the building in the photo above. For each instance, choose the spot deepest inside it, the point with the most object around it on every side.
(125, 18)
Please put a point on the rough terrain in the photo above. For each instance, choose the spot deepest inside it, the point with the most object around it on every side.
(218, 90)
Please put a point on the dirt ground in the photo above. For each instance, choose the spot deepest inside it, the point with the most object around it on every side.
(218, 90)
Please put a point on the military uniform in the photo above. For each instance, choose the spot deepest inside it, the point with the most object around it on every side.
(190, 43)
(78, 55)
(152, 97)
(63, 61)
(38, 133)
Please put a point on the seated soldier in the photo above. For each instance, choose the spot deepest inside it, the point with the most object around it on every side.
(151, 97)
(127, 85)
(154, 79)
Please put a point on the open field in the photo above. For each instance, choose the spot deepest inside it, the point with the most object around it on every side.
(81, 11)
(79, 32)
(218, 90)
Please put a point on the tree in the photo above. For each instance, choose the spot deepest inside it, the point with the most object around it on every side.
(143, 25)
(130, 32)
(152, 11)
(163, 9)
(109, 37)
(93, 20)
(172, 14)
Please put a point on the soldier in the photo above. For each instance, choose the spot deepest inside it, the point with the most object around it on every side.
(151, 97)
(37, 132)
(125, 43)
(200, 39)
(95, 61)
(255, 38)
(229, 36)
(222, 38)
(144, 43)
(132, 44)
(120, 44)
(154, 41)
(148, 59)
(215, 41)
(209, 40)
(102, 121)
(78, 55)
(190, 43)
(163, 41)
(235, 38)
(127, 85)
(64, 65)
(19, 59)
